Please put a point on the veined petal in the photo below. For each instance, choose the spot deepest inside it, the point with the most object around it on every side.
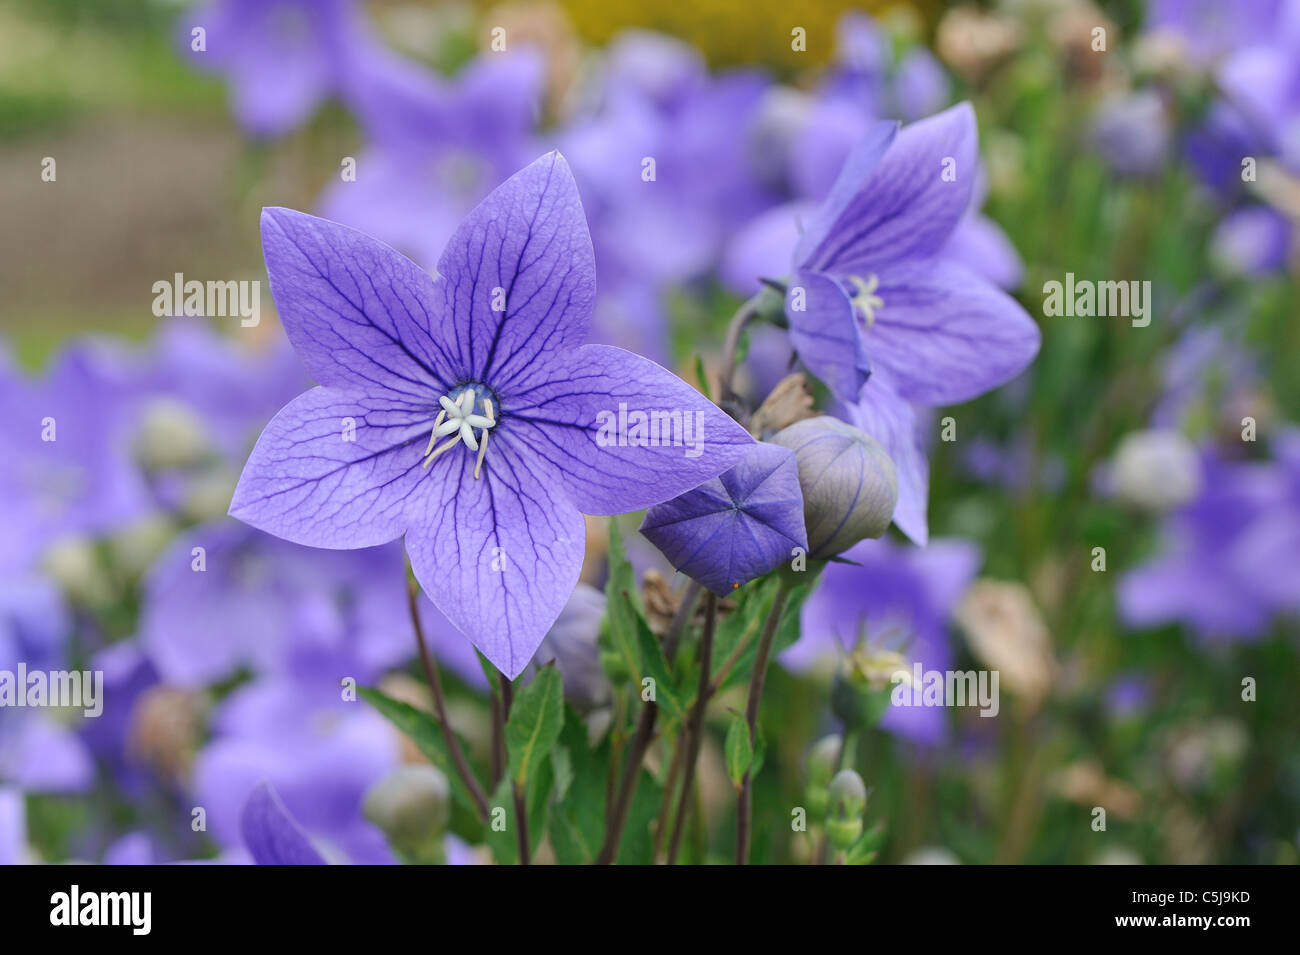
(362, 317)
(519, 275)
(888, 418)
(906, 207)
(847, 199)
(334, 470)
(947, 335)
(621, 431)
(825, 333)
(498, 555)
(735, 527)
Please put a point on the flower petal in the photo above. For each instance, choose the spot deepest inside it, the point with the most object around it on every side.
(586, 422)
(906, 206)
(361, 316)
(271, 834)
(946, 335)
(334, 470)
(825, 333)
(735, 527)
(847, 198)
(498, 555)
(519, 275)
(881, 413)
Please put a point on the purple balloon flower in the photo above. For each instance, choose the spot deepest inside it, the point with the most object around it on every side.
(870, 274)
(875, 275)
(737, 526)
(485, 362)
(271, 834)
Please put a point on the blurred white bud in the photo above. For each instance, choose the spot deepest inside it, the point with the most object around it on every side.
(1156, 469)
(412, 805)
(171, 436)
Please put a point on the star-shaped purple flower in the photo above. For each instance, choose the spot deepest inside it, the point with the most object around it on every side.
(465, 412)
(876, 275)
(736, 527)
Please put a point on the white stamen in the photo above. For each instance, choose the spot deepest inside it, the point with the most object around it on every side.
(865, 299)
(458, 420)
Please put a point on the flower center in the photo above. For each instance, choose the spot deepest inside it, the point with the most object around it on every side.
(865, 299)
(464, 409)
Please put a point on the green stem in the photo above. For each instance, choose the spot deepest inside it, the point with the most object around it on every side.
(744, 802)
(695, 729)
(440, 708)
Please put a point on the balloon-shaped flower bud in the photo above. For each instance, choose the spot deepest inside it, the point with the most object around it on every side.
(822, 760)
(412, 805)
(848, 798)
(848, 481)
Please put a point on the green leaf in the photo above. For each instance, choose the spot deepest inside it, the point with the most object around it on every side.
(423, 730)
(743, 627)
(536, 718)
(654, 666)
(738, 749)
(637, 846)
(702, 377)
(863, 852)
(501, 835)
(577, 822)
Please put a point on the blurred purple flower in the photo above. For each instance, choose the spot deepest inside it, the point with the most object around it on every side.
(493, 346)
(897, 598)
(1131, 133)
(1251, 241)
(272, 607)
(320, 752)
(1263, 81)
(1208, 29)
(283, 58)
(572, 644)
(1229, 558)
(271, 834)
(13, 826)
(68, 463)
(737, 526)
(412, 193)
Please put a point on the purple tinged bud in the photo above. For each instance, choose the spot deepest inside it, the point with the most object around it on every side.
(848, 481)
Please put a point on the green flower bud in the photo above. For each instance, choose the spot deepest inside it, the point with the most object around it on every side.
(822, 760)
(848, 799)
(848, 482)
(412, 805)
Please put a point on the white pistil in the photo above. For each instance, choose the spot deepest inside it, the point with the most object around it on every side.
(458, 419)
